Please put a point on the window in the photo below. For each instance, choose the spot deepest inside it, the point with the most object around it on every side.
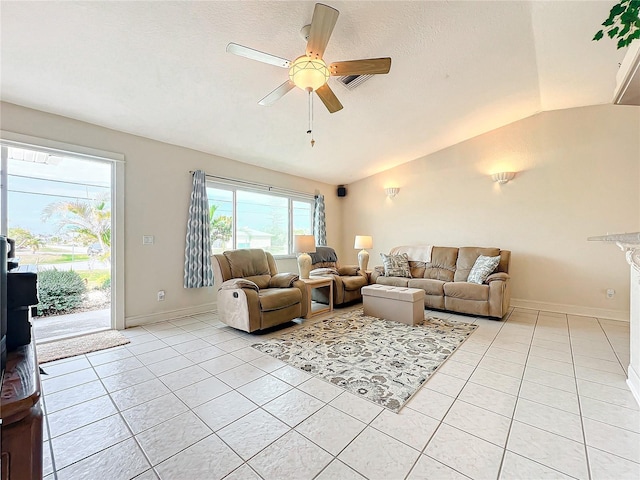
(245, 218)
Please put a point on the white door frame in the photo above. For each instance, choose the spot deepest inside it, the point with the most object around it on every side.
(117, 160)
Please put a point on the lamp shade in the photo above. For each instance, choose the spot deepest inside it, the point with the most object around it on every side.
(304, 243)
(309, 73)
(363, 241)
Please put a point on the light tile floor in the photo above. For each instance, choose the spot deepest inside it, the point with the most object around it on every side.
(539, 395)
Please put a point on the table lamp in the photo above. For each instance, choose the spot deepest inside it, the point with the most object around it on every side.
(304, 245)
(363, 241)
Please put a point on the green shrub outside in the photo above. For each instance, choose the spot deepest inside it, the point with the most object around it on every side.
(106, 284)
(59, 291)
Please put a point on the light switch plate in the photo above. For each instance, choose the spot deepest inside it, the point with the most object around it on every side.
(147, 239)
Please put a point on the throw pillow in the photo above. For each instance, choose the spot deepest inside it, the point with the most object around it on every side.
(483, 267)
(396, 265)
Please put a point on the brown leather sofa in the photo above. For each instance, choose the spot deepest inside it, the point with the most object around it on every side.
(444, 280)
(253, 295)
(347, 280)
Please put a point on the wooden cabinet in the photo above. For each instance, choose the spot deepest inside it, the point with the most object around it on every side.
(21, 416)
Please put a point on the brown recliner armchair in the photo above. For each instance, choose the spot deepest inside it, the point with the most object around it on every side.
(253, 295)
(347, 280)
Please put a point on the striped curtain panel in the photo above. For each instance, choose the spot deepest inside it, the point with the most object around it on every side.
(197, 255)
(319, 225)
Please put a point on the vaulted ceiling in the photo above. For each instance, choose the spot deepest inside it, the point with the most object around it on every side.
(160, 70)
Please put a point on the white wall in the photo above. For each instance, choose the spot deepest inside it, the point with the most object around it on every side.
(157, 190)
(578, 176)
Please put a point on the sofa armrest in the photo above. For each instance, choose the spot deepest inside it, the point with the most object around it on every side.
(300, 285)
(349, 270)
(499, 294)
(239, 283)
(378, 271)
(283, 280)
(497, 276)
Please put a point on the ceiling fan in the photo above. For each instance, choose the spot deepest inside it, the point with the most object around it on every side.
(309, 71)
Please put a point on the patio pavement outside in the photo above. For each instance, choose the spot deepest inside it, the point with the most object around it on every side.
(47, 328)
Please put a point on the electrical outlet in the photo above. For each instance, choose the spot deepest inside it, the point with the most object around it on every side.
(147, 239)
(610, 292)
(160, 295)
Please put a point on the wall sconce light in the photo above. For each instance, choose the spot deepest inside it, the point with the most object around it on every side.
(391, 191)
(503, 177)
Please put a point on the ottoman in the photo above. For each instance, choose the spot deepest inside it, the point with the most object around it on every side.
(401, 304)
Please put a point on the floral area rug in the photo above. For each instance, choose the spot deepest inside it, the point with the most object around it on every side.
(383, 361)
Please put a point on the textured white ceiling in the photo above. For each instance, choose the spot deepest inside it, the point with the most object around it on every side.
(159, 70)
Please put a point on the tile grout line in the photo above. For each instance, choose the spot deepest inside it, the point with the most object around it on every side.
(615, 352)
(46, 422)
(296, 387)
(119, 413)
(189, 409)
(441, 421)
(575, 376)
(515, 406)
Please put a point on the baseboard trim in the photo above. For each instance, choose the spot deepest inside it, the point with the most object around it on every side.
(619, 315)
(634, 383)
(138, 320)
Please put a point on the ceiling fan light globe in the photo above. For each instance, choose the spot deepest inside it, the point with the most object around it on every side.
(309, 73)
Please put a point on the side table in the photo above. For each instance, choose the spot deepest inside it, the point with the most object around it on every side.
(318, 282)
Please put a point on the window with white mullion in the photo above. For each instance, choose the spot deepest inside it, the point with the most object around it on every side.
(253, 218)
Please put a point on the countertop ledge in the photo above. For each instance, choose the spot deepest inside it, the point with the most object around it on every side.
(626, 238)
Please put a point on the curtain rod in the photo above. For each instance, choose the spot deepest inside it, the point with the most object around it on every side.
(234, 181)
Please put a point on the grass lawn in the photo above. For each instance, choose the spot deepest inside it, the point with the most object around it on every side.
(94, 278)
(52, 258)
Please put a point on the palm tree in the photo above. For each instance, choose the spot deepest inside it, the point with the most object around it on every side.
(24, 238)
(220, 227)
(90, 221)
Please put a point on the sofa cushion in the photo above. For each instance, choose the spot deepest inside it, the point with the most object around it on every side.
(466, 291)
(354, 282)
(417, 269)
(442, 265)
(467, 258)
(247, 262)
(393, 281)
(396, 265)
(482, 268)
(430, 287)
(277, 298)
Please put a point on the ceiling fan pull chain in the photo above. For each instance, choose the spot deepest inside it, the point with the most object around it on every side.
(310, 131)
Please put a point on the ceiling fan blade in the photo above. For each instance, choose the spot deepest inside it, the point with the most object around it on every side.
(277, 93)
(329, 98)
(257, 55)
(322, 23)
(369, 66)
